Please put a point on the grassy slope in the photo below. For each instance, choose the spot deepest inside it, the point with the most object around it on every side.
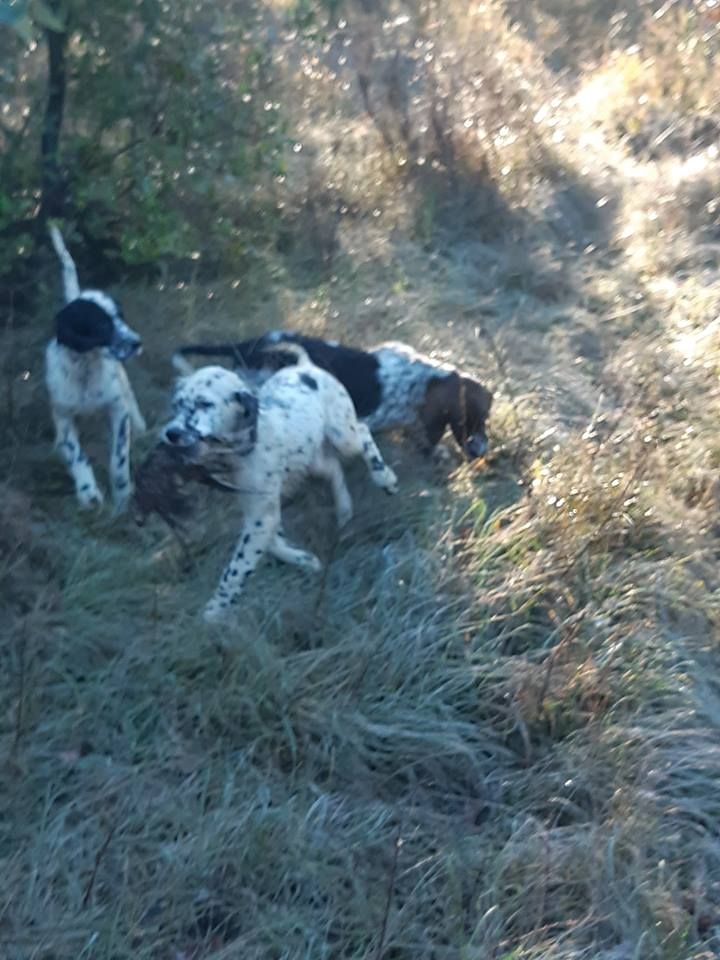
(490, 730)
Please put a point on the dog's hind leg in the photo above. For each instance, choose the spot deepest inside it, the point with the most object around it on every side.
(380, 473)
(67, 442)
(280, 548)
(138, 420)
(329, 468)
(356, 440)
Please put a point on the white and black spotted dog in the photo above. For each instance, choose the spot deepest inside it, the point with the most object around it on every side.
(392, 386)
(84, 374)
(299, 423)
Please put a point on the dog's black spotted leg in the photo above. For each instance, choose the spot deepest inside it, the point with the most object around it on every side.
(257, 534)
(73, 456)
(120, 458)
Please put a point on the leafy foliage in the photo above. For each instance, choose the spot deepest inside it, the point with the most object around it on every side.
(27, 16)
(154, 137)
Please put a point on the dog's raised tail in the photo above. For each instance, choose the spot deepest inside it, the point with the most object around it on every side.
(181, 364)
(294, 349)
(248, 354)
(71, 284)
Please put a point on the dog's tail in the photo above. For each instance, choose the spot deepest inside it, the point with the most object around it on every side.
(71, 284)
(246, 354)
(230, 350)
(293, 349)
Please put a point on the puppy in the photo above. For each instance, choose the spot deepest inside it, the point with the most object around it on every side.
(391, 385)
(300, 424)
(84, 374)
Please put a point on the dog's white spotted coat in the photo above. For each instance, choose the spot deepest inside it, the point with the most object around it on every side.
(405, 376)
(305, 423)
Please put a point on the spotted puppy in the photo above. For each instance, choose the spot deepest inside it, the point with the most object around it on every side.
(391, 385)
(300, 423)
(84, 375)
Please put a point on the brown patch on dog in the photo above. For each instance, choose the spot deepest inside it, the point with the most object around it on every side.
(160, 487)
(459, 402)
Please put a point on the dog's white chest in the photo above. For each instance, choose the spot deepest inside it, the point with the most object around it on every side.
(83, 383)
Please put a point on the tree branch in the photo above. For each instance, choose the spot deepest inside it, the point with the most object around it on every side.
(52, 185)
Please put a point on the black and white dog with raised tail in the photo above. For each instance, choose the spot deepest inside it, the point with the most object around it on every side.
(84, 374)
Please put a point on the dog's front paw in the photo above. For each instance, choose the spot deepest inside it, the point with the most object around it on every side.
(90, 497)
(389, 481)
(308, 561)
(121, 501)
(216, 611)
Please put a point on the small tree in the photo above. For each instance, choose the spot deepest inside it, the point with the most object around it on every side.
(143, 113)
(29, 19)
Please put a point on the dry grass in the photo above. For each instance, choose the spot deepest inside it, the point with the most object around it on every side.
(489, 729)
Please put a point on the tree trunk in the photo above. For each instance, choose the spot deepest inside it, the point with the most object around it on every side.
(52, 197)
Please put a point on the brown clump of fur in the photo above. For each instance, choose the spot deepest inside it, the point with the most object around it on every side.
(160, 487)
(162, 478)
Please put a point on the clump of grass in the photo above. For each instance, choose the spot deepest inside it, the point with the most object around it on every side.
(659, 92)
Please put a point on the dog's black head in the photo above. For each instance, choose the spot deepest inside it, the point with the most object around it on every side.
(94, 321)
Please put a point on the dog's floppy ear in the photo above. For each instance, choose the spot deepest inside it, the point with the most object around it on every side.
(468, 426)
(82, 326)
(245, 425)
(478, 400)
(248, 403)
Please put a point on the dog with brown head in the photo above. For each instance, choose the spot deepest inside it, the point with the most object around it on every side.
(461, 403)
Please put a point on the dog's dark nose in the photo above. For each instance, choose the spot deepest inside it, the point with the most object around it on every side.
(173, 435)
(476, 446)
(122, 348)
